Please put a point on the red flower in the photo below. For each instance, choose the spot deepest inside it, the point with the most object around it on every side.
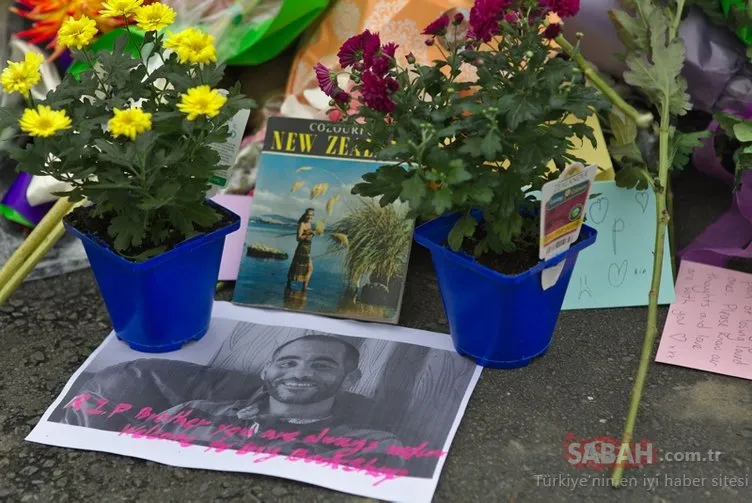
(438, 26)
(563, 8)
(355, 48)
(377, 91)
(552, 31)
(484, 18)
(389, 49)
(327, 80)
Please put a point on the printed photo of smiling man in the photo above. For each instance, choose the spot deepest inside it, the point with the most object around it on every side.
(300, 385)
(279, 391)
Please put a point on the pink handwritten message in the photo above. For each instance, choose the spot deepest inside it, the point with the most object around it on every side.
(709, 326)
(321, 447)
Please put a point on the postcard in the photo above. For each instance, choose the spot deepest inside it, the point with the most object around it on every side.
(313, 246)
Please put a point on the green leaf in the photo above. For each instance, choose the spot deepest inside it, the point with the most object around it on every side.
(483, 194)
(490, 145)
(522, 110)
(442, 200)
(682, 145)
(658, 72)
(457, 172)
(623, 128)
(632, 32)
(728, 123)
(413, 191)
(472, 147)
(464, 227)
(632, 176)
(743, 131)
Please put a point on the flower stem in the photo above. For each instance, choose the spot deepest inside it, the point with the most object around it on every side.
(643, 120)
(94, 71)
(651, 330)
(130, 39)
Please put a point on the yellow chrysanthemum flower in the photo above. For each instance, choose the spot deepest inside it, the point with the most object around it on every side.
(21, 76)
(192, 46)
(154, 17)
(77, 33)
(43, 121)
(130, 122)
(201, 100)
(124, 8)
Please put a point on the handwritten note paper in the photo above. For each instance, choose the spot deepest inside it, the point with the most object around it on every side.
(709, 327)
(616, 270)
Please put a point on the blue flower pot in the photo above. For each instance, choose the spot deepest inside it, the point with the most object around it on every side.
(159, 304)
(497, 320)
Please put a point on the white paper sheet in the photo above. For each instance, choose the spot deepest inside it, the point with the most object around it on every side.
(414, 386)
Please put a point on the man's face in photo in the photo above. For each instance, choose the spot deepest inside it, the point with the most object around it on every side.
(307, 371)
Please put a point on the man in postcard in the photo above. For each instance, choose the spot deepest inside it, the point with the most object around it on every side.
(292, 414)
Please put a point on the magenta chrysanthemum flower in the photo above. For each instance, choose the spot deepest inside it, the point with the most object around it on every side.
(391, 84)
(327, 79)
(437, 26)
(376, 92)
(512, 17)
(341, 96)
(389, 49)
(563, 8)
(484, 18)
(371, 48)
(552, 31)
(354, 48)
(380, 66)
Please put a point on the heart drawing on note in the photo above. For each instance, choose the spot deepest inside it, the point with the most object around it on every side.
(642, 199)
(617, 273)
(679, 337)
(598, 210)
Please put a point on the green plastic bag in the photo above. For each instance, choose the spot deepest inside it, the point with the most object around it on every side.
(253, 45)
(239, 40)
(739, 15)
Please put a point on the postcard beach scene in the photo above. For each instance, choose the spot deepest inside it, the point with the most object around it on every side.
(313, 246)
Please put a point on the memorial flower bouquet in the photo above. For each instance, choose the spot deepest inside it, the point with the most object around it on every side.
(136, 135)
(476, 151)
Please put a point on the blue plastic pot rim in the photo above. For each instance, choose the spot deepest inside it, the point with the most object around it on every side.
(184, 246)
(586, 238)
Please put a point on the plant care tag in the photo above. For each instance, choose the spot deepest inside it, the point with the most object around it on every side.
(228, 151)
(563, 203)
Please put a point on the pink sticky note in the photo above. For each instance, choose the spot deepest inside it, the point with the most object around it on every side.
(709, 326)
(234, 243)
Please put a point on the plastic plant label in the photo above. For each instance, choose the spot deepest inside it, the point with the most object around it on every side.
(563, 203)
(228, 151)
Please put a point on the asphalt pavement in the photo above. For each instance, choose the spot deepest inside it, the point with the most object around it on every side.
(509, 447)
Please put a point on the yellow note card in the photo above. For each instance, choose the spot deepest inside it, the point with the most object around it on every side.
(593, 154)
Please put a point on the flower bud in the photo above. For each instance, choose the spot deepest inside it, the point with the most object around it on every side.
(529, 54)
(410, 58)
(458, 18)
(429, 42)
(355, 79)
